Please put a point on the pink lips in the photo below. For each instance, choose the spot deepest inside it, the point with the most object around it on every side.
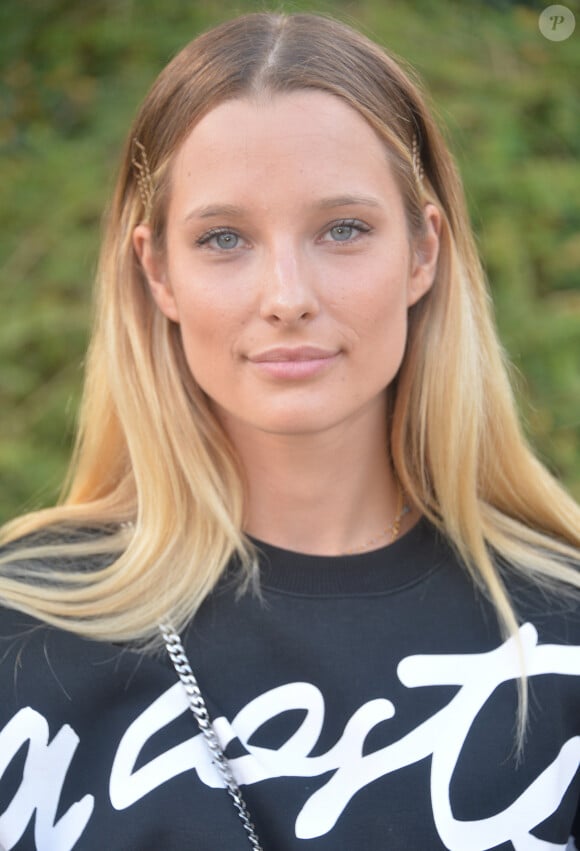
(299, 362)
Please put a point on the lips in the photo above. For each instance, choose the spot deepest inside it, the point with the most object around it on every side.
(285, 354)
(291, 364)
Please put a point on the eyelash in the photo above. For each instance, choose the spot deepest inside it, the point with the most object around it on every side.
(205, 237)
(355, 224)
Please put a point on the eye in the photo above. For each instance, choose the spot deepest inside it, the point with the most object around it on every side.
(219, 238)
(347, 230)
(341, 233)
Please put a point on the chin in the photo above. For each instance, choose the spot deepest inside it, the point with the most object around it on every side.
(294, 422)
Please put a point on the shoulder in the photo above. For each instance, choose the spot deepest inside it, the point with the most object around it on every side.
(64, 677)
(64, 534)
(33, 571)
(552, 605)
(59, 547)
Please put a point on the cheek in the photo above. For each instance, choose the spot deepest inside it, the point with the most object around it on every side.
(379, 323)
(206, 350)
(377, 298)
(205, 332)
(211, 322)
(199, 307)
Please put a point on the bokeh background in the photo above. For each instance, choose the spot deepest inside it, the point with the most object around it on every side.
(72, 73)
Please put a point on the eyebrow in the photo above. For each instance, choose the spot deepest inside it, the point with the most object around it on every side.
(211, 211)
(348, 201)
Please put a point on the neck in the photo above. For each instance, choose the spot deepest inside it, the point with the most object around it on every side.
(323, 494)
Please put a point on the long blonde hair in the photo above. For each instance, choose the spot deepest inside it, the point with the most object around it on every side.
(149, 450)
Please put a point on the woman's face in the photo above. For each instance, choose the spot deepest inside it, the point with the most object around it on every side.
(288, 264)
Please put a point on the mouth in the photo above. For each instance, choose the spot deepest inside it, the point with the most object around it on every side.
(294, 363)
(299, 354)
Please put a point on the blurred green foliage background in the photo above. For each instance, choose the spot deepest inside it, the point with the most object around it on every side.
(71, 76)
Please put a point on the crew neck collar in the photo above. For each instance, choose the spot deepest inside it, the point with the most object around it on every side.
(387, 569)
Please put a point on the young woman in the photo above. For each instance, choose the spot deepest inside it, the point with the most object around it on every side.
(299, 472)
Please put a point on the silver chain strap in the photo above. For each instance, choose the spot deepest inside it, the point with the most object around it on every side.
(197, 705)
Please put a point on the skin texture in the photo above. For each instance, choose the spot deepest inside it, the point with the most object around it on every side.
(286, 228)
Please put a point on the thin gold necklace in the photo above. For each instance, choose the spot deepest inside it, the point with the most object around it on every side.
(392, 530)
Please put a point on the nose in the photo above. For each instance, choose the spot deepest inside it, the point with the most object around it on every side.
(287, 293)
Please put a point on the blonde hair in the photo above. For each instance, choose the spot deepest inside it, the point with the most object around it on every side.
(149, 450)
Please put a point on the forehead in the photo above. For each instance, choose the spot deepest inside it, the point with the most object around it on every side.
(309, 142)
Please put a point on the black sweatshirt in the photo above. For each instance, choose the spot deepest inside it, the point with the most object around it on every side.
(366, 702)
